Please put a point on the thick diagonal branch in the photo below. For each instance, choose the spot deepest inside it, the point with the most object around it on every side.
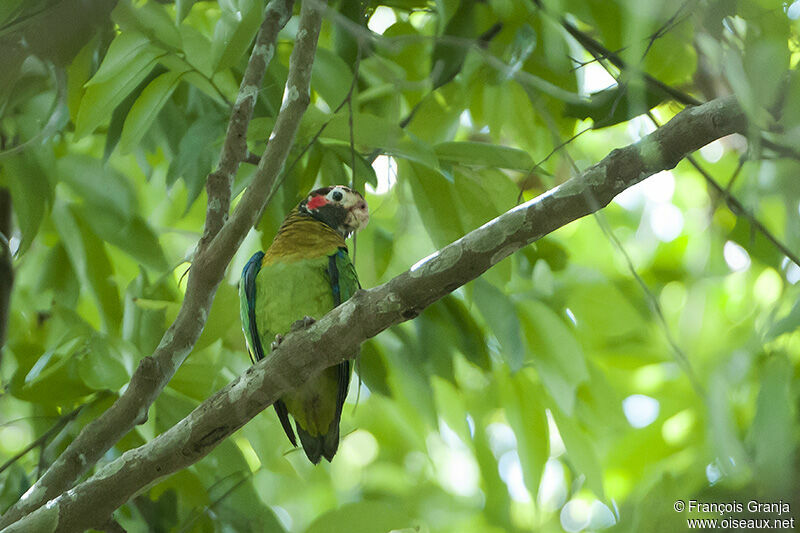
(208, 267)
(337, 335)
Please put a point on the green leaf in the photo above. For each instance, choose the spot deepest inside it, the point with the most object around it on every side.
(160, 513)
(101, 365)
(483, 195)
(78, 74)
(437, 116)
(484, 154)
(371, 132)
(58, 276)
(333, 168)
(364, 171)
(54, 379)
(554, 352)
(127, 49)
(100, 99)
(757, 246)
(8, 9)
(227, 473)
(199, 376)
(448, 56)
(468, 335)
(331, 77)
(133, 236)
(144, 325)
(433, 334)
(170, 408)
(722, 425)
(581, 451)
(121, 112)
(221, 323)
(31, 193)
(525, 410)
(771, 432)
(196, 46)
(182, 8)
(197, 154)
(435, 201)
(90, 261)
(373, 369)
(150, 19)
(589, 303)
(189, 485)
(410, 378)
(146, 108)
(617, 104)
(234, 32)
(362, 517)
(787, 324)
(98, 185)
(382, 249)
(499, 312)
(451, 406)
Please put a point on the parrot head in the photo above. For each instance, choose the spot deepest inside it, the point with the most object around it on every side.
(340, 207)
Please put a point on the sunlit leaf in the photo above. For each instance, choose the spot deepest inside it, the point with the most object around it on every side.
(484, 154)
(234, 32)
(31, 193)
(554, 352)
(362, 517)
(500, 314)
(90, 261)
(146, 107)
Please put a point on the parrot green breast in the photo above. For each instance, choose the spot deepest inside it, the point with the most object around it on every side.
(286, 292)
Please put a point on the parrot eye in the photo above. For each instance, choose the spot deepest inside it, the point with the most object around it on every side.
(337, 195)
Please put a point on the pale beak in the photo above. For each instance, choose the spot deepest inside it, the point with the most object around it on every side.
(357, 217)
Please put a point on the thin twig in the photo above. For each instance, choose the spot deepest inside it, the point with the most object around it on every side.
(655, 306)
(58, 426)
(668, 25)
(211, 505)
(736, 207)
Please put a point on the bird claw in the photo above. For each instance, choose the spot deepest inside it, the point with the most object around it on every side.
(297, 325)
(277, 342)
(302, 323)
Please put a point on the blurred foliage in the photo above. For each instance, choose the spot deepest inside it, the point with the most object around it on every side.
(559, 391)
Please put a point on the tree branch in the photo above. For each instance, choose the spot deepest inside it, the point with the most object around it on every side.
(234, 149)
(155, 371)
(336, 336)
(295, 101)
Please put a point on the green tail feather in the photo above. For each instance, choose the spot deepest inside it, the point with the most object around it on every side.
(320, 445)
(311, 445)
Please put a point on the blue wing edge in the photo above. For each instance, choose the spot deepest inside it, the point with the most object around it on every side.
(249, 274)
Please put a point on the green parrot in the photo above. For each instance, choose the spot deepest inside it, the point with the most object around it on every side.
(306, 272)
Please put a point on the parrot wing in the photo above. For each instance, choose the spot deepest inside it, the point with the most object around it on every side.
(247, 302)
(344, 283)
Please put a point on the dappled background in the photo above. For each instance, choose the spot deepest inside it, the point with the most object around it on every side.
(632, 358)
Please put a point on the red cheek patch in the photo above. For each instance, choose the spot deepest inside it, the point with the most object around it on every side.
(316, 202)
